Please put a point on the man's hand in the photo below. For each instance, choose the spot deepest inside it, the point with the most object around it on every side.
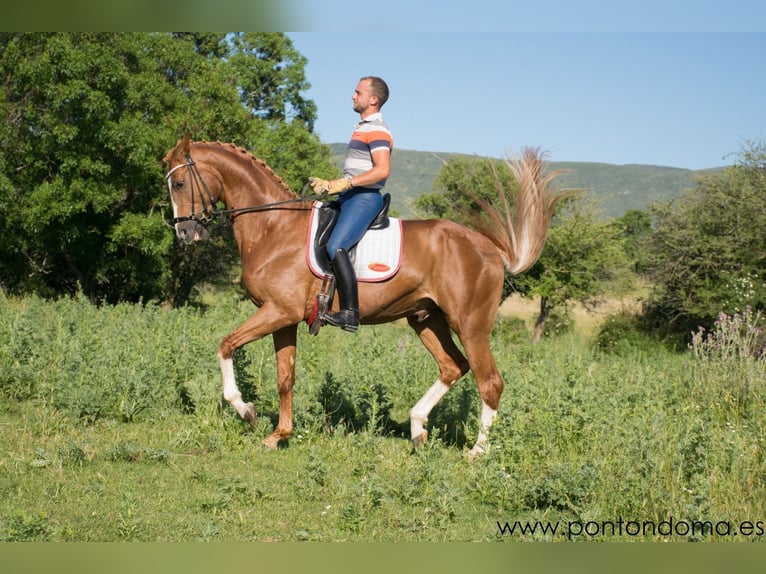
(332, 187)
(340, 185)
(319, 185)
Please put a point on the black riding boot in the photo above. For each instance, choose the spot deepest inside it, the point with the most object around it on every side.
(348, 316)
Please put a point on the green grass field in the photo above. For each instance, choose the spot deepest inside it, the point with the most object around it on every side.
(112, 428)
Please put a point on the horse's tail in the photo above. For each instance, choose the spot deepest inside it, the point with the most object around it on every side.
(520, 230)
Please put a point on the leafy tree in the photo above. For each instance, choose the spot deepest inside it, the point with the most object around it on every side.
(582, 260)
(707, 253)
(270, 78)
(461, 181)
(85, 119)
(635, 228)
(582, 254)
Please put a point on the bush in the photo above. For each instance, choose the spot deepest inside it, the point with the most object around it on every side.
(512, 331)
(621, 333)
(353, 407)
(729, 364)
(734, 338)
(119, 362)
(559, 322)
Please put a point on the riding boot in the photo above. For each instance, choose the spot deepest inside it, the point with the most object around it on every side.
(348, 316)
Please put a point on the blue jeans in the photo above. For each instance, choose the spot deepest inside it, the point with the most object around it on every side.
(358, 208)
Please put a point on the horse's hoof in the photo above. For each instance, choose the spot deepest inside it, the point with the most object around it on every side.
(475, 452)
(418, 441)
(270, 442)
(250, 415)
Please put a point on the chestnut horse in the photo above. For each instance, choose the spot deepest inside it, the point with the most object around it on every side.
(450, 280)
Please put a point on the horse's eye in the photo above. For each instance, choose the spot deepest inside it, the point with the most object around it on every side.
(179, 184)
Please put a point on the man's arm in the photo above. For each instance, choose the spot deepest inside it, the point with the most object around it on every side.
(381, 168)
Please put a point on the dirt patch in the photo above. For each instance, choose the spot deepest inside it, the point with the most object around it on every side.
(586, 319)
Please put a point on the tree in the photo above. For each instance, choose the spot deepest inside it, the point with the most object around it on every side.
(582, 253)
(85, 121)
(461, 181)
(582, 259)
(635, 228)
(707, 253)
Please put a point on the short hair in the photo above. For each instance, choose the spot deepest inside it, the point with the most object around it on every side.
(379, 88)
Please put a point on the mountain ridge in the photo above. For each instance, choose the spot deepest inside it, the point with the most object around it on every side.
(616, 188)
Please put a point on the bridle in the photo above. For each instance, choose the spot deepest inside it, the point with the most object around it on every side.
(209, 210)
(197, 185)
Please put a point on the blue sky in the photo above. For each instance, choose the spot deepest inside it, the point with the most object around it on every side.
(525, 15)
(679, 83)
(679, 99)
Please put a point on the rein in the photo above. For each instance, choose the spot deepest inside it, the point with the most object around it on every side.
(209, 211)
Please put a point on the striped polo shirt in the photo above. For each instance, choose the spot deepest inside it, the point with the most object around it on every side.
(370, 135)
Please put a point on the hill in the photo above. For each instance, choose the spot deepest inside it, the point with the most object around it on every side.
(617, 188)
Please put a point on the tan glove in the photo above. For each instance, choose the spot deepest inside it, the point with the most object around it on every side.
(332, 187)
(319, 185)
(339, 185)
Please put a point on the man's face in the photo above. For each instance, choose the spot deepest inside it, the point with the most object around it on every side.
(362, 96)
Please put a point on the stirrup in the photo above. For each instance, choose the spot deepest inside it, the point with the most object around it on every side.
(322, 305)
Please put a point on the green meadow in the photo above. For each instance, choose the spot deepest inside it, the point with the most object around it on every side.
(112, 428)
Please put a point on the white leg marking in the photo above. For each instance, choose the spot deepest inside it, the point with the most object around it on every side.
(419, 413)
(230, 390)
(487, 417)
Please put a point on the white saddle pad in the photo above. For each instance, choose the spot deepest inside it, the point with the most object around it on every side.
(377, 256)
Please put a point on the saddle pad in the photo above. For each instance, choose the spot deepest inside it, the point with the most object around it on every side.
(376, 257)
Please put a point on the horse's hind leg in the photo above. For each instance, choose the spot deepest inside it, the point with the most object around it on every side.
(490, 388)
(436, 336)
(487, 377)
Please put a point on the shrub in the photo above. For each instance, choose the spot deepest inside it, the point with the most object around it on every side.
(729, 364)
(353, 407)
(512, 331)
(621, 333)
(559, 322)
(734, 338)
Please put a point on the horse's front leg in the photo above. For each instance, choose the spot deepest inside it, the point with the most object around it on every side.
(266, 321)
(230, 389)
(285, 349)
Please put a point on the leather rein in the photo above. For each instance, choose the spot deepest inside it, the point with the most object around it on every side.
(209, 210)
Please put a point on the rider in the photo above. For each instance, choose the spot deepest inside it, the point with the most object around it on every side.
(365, 170)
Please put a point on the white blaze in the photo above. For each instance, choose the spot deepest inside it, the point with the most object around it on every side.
(170, 190)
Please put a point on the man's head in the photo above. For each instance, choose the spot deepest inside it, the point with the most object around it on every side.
(370, 94)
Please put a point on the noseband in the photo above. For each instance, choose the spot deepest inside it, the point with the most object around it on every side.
(197, 186)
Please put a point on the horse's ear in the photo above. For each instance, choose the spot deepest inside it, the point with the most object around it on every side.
(186, 143)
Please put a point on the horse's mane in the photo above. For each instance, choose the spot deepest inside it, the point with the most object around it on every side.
(250, 157)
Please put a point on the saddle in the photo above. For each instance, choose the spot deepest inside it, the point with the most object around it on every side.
(328, 216)
(375, 258)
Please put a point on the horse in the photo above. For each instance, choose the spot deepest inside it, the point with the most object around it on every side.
(450, 279)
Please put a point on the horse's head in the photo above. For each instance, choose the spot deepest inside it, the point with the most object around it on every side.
(194, 190)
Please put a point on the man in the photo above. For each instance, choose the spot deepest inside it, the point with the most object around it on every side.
(366, 167)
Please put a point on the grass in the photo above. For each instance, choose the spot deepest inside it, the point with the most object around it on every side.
(185, 479)
(112, 428)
